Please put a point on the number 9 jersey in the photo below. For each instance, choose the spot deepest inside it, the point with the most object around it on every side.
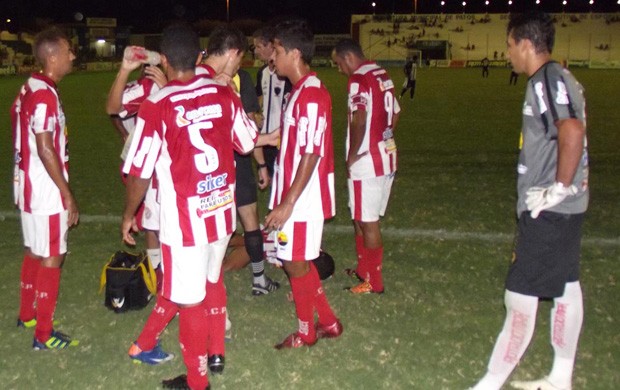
(187, 133)
(371, 90)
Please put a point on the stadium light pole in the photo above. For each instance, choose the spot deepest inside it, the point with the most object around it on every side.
(464, 4)
(227, 11)
(444, 3)
(373, 7)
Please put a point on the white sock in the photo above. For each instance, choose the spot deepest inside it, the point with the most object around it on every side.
(512, 340)
(566, 320)
(154, 257)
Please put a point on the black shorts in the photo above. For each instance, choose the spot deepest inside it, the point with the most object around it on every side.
(245, 192)
(546, 254)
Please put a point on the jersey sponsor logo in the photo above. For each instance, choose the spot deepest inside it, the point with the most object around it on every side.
(181, 121)
(527, 109)
(562, 96)
(539, 88)
(385, 84)
(211, 183)
(214, 201)
(282, 239)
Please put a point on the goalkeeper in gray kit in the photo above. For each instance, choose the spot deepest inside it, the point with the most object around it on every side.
(552, 188)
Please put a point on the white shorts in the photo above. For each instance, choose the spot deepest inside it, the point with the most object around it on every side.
(186, 270)
(368, 198)
(299, 241)
(45, 235)
(150, 216)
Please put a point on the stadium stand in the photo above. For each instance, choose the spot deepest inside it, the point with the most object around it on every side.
(452, 39)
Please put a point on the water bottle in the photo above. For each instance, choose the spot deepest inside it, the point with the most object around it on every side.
(140, 54)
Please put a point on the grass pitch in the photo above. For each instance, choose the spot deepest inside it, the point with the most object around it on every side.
(448, 237)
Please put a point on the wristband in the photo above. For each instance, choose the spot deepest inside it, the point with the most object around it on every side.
(263, 165)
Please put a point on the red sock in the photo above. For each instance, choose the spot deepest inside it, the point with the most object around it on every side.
(28, 292)
(362, 258)
(216, 316)
(375, 260)
(303, 293)
(193, 335)
(324, 310)
(163, 312)
(48, 281)
(160, 277)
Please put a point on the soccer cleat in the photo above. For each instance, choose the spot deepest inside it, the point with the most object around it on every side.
(31, 324)
(293, 340)
(363, 288)
(57, 340)
(269, 287)
(153, 357)
(540, 384)
(26, 324)
(329, 332)
(180, 383)
(216, 364)
(353, 274)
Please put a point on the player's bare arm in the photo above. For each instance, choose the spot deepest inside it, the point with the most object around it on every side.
(356, 136)
(272, 138)
(263, 173)
(114, 104)
(571, 133)
(281, 213)
(47, 153)
(136, 189)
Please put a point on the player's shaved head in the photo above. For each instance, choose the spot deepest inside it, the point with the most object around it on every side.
(348, 45)
(296, 34)
(181, 46)
(224, 38)
(47, 43)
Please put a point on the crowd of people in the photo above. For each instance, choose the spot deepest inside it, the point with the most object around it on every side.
(190, 124)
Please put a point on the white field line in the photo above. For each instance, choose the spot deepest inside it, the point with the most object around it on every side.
(388, 232)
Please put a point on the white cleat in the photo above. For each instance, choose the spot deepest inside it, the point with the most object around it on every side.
(540, 384)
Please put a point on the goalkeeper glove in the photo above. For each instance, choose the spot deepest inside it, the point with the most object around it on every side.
(540, 198)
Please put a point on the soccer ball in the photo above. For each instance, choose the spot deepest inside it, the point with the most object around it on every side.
(325, 265)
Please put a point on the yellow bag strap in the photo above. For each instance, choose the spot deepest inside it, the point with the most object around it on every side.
(150, 279)
(102, 279)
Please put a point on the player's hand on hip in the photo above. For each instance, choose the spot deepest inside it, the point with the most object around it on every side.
(278, 216)
(541, 198)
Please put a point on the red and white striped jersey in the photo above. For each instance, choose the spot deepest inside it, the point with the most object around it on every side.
(134, 94)
(371, 90)
(186, 133)
(37, 109)
(307, 129)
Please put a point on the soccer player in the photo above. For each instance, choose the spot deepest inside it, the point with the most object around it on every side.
(485, 67)
(271, 89)
(41, 187)
(186, 133)
(371, 157)
(302, 192)
(553, 194)
(221, 41)
(411, 74)
(124, 100)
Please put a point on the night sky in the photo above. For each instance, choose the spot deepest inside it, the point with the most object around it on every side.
(326, 16)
